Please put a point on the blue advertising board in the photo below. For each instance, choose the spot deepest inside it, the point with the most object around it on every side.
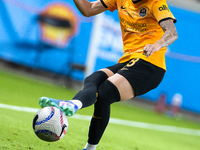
(22, 42)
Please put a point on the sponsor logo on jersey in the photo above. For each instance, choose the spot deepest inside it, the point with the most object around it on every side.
(137, 27)
(163, 7)
(143, 12)
(122, 7)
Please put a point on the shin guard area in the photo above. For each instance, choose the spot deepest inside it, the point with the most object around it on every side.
(108, 94)
(88, 95)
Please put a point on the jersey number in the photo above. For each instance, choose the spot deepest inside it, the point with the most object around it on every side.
(132, 62)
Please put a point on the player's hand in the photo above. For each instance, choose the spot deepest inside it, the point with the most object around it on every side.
(150, 49)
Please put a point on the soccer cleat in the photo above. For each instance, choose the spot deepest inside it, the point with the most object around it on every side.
(68, 107)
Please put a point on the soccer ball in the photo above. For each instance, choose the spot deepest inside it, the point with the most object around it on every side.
(50, 124)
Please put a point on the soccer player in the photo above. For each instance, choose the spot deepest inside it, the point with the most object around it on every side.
(147, 29)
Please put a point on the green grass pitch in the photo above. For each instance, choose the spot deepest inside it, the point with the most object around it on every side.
(16, 131)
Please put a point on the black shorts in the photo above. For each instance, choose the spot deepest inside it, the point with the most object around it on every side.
(142, 75)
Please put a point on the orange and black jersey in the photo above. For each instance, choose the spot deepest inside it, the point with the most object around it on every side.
(140, 26)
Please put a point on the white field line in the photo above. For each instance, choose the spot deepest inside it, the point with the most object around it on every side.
(118, 122)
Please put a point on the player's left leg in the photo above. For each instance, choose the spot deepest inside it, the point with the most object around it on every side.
(140, 78)
(110, 91)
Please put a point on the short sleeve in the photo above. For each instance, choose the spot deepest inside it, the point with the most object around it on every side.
(162, 12)
(109, 4)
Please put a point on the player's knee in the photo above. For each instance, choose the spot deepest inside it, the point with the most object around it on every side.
(108, 92)
(95, 78)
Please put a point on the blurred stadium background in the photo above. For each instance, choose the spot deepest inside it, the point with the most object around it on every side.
(51, 41)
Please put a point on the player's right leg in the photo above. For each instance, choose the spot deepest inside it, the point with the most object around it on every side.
(68, 107)
(83, 98)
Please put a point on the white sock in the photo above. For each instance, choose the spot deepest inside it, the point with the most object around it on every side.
(78, 103)
(90, 146)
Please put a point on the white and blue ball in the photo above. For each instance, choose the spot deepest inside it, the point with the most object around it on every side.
(50, 124)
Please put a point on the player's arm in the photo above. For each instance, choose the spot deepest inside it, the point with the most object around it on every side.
(168, 38)
(89, 8)
(170, 33)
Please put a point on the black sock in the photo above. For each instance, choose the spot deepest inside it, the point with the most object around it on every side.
(88, 95)
(108, 94)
